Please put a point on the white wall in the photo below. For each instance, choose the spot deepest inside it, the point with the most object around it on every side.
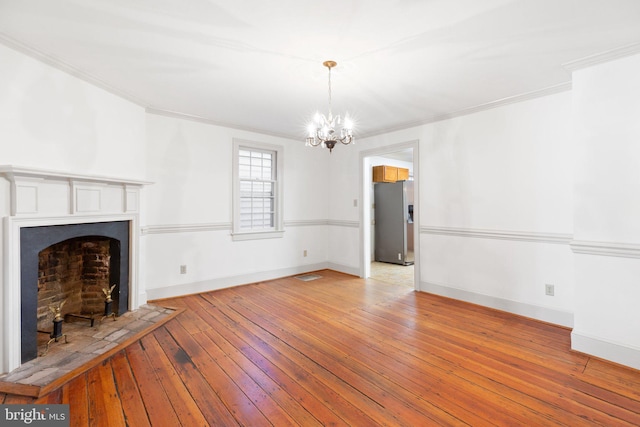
(502, 194)
(189, 211)
(497, 191)
(343, 182)
(496, 211)
(51, 120)
(606, 113)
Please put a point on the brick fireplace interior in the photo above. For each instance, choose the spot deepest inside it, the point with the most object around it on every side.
(71, 263)
(74, 273)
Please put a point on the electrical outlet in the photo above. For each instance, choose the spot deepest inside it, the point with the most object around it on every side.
(355, 203)
(183, 269)
(549, 290)
(399, 256)
(304, 253)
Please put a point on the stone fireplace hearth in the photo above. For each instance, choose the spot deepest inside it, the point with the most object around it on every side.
(48, 208)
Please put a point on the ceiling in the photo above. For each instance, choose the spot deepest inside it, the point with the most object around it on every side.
(257, 65)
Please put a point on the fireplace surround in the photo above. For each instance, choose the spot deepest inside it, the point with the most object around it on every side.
(49, 207)
(34, 239)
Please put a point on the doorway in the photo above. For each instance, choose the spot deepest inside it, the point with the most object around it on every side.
(403, 156)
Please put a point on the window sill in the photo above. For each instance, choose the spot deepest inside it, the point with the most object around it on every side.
(256, 235)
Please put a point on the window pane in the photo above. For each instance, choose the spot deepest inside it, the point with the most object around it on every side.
(257, 189)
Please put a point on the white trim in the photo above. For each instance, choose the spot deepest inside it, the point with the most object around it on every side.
(98, 82)
(613, 249)
(545, 314)
(257, 235)
(365, 183)
(67, 68)
(524, 236)
(354, 271)
(185, 228)
(222, 226)
(149, 109)
(551, 90)
(604, 349)
(226, 282)
(11, 172)
(11, 294)
(204, 120)
(305, 222)
(237, 233)
(344, 223)
(603, 57)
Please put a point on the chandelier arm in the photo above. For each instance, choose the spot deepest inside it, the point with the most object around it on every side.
(313, 142)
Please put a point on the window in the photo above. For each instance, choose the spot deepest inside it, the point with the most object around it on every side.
(257, 190)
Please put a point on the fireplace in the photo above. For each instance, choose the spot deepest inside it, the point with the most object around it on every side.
(73, 274)
(67, 263)
(53, 211)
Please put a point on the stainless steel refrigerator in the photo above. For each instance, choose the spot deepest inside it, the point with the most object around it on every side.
(393, 236)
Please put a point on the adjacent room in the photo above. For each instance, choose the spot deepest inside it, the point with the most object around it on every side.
(346, 213)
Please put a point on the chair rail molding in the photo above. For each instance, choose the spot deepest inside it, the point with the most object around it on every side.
(522, 236)
(612, 249)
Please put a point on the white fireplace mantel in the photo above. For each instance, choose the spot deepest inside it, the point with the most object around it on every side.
(41, 198)
(46, 192)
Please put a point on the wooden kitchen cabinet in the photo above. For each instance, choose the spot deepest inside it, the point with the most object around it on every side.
(384, 173)
(403, 174)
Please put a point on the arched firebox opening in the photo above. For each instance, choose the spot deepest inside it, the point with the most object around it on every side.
(73, 264)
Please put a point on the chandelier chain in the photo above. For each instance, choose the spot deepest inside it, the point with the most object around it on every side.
(330, 115)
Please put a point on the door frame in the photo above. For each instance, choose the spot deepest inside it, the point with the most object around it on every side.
(366, 180)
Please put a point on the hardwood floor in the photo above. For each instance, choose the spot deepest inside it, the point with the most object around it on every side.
(344, 351)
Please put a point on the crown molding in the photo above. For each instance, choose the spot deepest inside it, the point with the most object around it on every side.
(100, 83)
(521, 236)
(67, 68)
(200, 119)
(612, 249)
(551, 90)
(603, 57)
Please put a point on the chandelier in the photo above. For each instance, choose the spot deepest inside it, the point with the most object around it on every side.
(324, 130)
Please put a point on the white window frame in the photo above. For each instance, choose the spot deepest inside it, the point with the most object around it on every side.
(277, 231)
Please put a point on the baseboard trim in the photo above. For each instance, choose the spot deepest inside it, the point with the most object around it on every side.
(227, 282)
(607, 350)
(544, 314)
(354, 271)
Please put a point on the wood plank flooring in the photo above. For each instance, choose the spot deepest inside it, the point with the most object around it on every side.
(344, 351)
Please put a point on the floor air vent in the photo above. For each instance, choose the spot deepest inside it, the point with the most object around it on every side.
(308, 277)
